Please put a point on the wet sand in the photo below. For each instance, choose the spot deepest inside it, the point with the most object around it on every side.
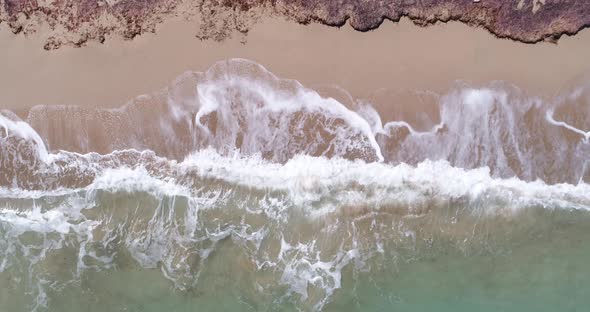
(398, 57)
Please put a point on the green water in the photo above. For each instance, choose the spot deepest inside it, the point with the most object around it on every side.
(534, 261)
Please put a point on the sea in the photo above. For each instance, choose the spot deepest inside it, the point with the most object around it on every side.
(236, 190)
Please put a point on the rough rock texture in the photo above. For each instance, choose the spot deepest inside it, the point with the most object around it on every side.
(76, 22)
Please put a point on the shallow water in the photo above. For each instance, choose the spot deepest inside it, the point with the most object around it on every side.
(234, 189)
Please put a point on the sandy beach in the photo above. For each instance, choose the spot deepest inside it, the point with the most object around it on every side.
(417, 169)
(396, 57)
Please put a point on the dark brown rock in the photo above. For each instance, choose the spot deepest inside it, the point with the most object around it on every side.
(77, 21)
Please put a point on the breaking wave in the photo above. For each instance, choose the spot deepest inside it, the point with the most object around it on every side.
(298, 188)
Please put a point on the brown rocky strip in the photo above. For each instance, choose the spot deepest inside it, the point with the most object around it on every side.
(75, 22)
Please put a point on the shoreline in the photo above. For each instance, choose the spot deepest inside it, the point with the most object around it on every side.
(398, 57)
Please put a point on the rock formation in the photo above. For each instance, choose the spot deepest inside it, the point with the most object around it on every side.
(75, 22)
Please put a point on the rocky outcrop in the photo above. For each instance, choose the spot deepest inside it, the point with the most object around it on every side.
(75, 22)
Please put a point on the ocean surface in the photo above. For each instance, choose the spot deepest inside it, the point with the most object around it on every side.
(236, 190)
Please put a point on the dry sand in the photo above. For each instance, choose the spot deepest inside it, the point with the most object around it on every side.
(397, 57)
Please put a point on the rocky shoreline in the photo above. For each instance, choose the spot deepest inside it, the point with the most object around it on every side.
(76, 22)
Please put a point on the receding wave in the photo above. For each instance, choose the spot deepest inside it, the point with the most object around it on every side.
(236, 179)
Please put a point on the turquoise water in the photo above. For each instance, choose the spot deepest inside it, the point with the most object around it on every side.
(535, 260)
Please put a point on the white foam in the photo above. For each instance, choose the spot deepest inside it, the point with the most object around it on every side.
(308, 179)
(550, 119)
(23, 130)
(137, 180)
(51, 221)
(343, 182)
(262, 100)
(62, 219)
